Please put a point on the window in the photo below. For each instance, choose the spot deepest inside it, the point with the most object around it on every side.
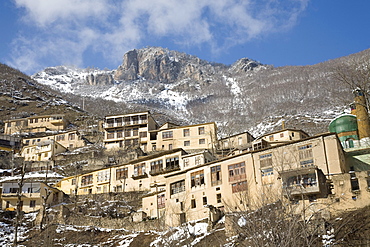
(161, 201)
(13, 190)
(218, 198)
(193, 203)
(122, 173)
(156, 166)
(127, 132)
(201, 131)
(73, 181)
(267, 175)
(86, 180)
(237, 171)
(240, 141)
(281, 134)
(118, 188)
(186, 132)
(204, 200)
(197, 178)
(271, 138)
(172, 163)
(239, 186)
(198, 160)
(354, 181)
(72, 136)
(119, 134)
(186, 143)
(103, 176)
(167, 135)
(216, 175)
(305, 155)
(32, 203)
(177, 187)
(143, 134)
(135, 132)
(170, 146)
(186, 162)
(202, 141)
(139, 169)
(265, 160)
(305, 152)
(60, 138)
(303, 180)
(307, 163)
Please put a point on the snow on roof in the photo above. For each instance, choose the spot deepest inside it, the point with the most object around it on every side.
(33, 175)
(342, 115)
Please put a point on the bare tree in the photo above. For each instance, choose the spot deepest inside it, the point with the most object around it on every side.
(355, 74)
(19, 213)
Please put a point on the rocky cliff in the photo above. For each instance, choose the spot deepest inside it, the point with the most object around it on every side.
(246, 95)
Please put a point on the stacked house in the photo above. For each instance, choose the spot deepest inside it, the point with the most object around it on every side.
(187, 173)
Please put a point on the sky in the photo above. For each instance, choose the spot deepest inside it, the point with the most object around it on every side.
(35, 34)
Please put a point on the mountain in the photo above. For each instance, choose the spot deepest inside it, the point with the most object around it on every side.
(21, 96)
(246, 95)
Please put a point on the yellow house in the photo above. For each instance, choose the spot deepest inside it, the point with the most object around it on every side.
(191, 137)
(128, 130)
(42, 151)
(34, 124)
(69, 139)
(245, 181)
(33, 195)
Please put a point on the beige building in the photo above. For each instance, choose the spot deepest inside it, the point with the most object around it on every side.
(35, 124)
(33, 196)
(191, 137)
(235, 143)
(242, 182)
(68, 139)
(128, 130)
(279, 137)
(137, 175)
(185, 187)
(42, 151)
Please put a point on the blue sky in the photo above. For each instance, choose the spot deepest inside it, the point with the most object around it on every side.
(96, 33)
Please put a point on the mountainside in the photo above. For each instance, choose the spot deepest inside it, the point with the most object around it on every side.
(21, 96)
(238, 96)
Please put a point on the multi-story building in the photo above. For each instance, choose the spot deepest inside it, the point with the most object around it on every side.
(69, 139)
(34, 124)
(42, 151)
(128, 130)
(186, 187)
(33, 195)
(191, 137)
(279, 137)
(238, 142)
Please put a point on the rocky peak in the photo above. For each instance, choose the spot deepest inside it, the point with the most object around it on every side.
(244, 65)
(160, 64)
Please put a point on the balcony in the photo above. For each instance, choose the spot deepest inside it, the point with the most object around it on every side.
(303, 181)
(57, 121)
(139, 176)
(123, 124)
(164, 170)
(24, 195)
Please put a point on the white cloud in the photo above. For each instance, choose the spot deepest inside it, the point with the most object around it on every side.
(65, 29)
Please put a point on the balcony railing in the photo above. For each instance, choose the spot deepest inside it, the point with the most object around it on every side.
(301, 190)
(121, 124)
(139, 176)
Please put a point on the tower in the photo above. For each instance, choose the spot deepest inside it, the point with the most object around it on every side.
(361, 112)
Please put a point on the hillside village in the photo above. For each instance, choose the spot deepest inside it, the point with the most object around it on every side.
(172, 174)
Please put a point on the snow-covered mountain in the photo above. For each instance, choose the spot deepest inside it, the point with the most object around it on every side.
(237, 96)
